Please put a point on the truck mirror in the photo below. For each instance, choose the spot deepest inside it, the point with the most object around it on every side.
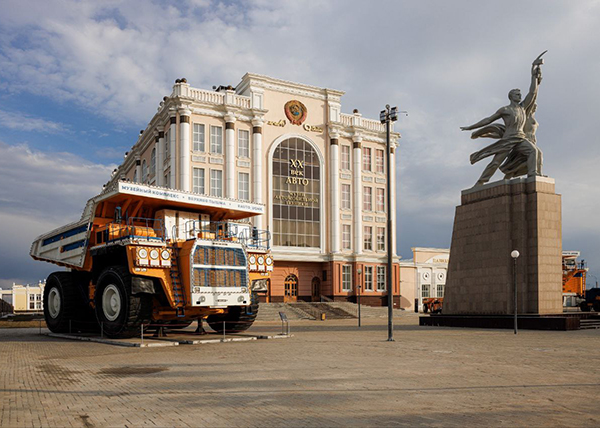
(118, 215)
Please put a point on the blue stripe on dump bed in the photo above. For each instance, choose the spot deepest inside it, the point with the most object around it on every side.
(66, 234)
(74, 245)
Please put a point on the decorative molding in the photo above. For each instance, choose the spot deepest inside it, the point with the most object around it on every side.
(184, 119)
(256, 130)
(346, 216)
(334, 141)
(229, 125)
(380, 180)
(380, 219)
(218, 161)
(367, 218)
(243, 163)
(367, 179)
(357, 145)
(197, 158)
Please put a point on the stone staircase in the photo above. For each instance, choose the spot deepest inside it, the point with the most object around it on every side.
(313, 310)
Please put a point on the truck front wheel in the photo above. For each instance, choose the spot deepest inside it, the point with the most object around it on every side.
(119, 312)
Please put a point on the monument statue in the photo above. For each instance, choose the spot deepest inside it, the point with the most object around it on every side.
(515, 152)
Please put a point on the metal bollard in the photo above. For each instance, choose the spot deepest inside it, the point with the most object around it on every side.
(40, 326)
(142, 334)
(223, 331)
(102, 330)
(69, 326)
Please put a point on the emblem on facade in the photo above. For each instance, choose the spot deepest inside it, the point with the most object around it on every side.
(296, 112)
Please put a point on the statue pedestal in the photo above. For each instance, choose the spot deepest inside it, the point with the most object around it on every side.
(521, 214)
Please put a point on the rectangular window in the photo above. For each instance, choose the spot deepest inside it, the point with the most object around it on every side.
(368, 232)
(167, 139)
(367, 198)
(425, 290)
(243, 143)
(346, 157)
(346, 204)
(381, 278)
(440, 290)
(346, 237)
(347, 278)
(168, 180)
(31, 305)
(380, 199)
(379, 161)
(31, 297)
(216, 182)
(366, 166)
(199, 137)
(216, 140)
(380, 239)
(244, 186)
(198, 181)
(368, 278)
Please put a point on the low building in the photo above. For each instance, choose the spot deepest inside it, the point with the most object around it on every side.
(25, 298)
(423, 276)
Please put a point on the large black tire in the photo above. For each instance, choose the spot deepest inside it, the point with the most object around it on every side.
(61, 300)
(237, 319)
(120, 313)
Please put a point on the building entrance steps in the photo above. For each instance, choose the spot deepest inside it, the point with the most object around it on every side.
(313, 310)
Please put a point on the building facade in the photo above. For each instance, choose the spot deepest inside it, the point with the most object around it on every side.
(320, 173)
(423, 276)
(25, 298)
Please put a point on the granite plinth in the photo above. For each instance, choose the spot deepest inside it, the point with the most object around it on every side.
(521, 214)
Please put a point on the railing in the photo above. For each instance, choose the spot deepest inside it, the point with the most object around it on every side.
(212, 97)
(361, 122)
(226, 231)
(148, 229)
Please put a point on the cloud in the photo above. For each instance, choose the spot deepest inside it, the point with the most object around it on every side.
(40, 191)
(24, 122)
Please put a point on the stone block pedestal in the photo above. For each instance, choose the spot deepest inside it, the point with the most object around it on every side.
(521, 214)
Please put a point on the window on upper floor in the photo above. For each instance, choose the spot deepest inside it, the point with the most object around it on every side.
(367, 198)
(346, 237)
(244, 186)
(368, 278)
(198, 138)
(243, 143)
(381, 239)
(346, 197)
(379, 161)
(198, 181)
(368, 238)
(366, 159)
(216, 140)
(216, 182)
(153, 162)
(380, 200)
(345, 157)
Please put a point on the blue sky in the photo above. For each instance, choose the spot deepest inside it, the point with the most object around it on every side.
(78, 80)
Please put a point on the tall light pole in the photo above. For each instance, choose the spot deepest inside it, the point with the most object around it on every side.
(515, 255)
(388, 116)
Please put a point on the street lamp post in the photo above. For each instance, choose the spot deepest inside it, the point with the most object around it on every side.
(388, 116)
(515, 255)
(359, 271)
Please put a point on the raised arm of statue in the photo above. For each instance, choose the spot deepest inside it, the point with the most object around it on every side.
(536, 78)
(483, 122)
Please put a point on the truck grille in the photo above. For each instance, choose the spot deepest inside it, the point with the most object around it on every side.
(219, 267)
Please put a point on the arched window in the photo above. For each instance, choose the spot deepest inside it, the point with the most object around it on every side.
(144, 171)
(153, 162)
(296, 194)
(291, 288)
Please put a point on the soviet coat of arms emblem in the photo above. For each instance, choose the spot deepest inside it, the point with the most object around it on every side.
(296, 112)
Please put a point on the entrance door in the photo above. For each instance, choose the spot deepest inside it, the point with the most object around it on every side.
(316, 289)
(291, 289)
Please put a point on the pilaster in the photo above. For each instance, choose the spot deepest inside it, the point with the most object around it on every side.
(230, 155)
(357, 192)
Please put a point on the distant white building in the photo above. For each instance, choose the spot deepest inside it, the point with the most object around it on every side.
(25, 298)
(423, 276)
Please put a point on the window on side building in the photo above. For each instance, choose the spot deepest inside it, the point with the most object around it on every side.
(216, 182)
(346, 197)
(346, 237)
(144, 171)
(440, 290)
(345, 157)
(381, 239)
(366, 160)
(380, 199)
(367, 198)
(368, 278)
(346, 278)
(244, 186)
(199, 145)
(243, 143)
(153, 162)
(368, 237)
(425, 290)
(216, 140)
(379, 161)
(381, 278)
(198, 181)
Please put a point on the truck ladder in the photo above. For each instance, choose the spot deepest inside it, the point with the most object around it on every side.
(178, 293)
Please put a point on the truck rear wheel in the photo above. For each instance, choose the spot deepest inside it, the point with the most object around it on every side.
(119, 312)
(60, 302)
(237, 319)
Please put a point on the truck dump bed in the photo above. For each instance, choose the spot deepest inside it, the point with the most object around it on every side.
(67, 245)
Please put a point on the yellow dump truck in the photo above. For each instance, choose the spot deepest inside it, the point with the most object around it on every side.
(144, 255)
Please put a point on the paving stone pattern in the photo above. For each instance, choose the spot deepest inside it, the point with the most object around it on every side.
(329, 374)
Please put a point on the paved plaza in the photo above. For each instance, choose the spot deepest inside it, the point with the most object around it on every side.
(328, 374)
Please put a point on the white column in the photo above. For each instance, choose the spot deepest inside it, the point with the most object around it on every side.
(393, 213)
(184, 150)
(160, 157)
(357, 184)
(230, 156)
(257, 168)
(334, 167)
(172, 149)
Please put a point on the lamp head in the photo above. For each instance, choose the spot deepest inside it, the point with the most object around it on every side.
(515, 254)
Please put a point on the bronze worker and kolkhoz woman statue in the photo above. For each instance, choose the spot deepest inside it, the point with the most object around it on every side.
(494, 219)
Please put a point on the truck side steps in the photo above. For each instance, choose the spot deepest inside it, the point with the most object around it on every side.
(176, 281)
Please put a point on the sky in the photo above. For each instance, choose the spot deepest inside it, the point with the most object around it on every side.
(80, 79)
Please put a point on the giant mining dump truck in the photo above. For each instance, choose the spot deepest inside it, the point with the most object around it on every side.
(144, 255)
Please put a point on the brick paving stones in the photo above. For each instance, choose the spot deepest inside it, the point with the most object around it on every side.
(329, 374)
